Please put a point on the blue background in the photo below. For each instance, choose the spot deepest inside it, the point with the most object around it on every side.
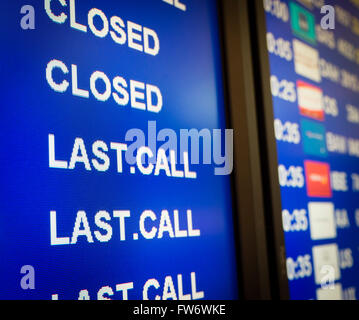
(300, 243)
(188, 71)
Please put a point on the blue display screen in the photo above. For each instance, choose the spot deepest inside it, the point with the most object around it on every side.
(82, 215)
(314, 60)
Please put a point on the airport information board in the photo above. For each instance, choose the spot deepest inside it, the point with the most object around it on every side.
(315, 89)
(93, 203)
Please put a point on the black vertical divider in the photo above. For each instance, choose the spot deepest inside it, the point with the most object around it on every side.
(269, 157)
(256, 191)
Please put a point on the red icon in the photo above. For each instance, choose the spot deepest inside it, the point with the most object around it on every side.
(317, 176)
(310, 100)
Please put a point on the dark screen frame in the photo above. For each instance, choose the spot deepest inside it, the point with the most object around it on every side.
(256, 193)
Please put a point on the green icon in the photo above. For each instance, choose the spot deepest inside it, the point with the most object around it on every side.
(303, 23)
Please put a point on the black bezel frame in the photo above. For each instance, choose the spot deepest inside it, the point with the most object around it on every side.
(256, 192)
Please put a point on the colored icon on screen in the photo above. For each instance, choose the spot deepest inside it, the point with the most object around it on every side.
(303, 23)
(314, 141)
(322, 220)
(334, 293)
(317, 175)
(306, 61)
(310, 101)
(325, 257)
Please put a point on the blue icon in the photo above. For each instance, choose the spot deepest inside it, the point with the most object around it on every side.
(314, 138)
